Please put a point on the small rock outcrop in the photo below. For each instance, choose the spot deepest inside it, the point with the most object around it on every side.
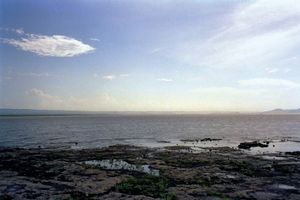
(248, 145)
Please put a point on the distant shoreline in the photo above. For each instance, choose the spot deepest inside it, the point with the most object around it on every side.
(144, 114)
(32, 112)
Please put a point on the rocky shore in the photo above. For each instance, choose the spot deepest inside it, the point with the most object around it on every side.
(130, 172)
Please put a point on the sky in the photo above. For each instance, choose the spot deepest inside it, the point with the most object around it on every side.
(143, 55)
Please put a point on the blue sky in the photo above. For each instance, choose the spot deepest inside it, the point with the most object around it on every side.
(150, 55)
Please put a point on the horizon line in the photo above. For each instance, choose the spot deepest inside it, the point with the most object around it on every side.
(149, 111)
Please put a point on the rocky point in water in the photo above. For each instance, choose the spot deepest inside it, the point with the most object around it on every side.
(248, 145)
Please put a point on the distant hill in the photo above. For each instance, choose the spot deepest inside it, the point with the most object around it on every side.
(283, 111)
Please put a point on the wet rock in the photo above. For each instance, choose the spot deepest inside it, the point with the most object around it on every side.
(189, 140)
(5, 197)
(248, 145)
(152, 186)
(163, 141)
(294, 197)
(223, 173)
(283, 187)
(264, 195)
(178, 148)
(209, 139)
(293, 153)
(286, 167)
(121, 196)
(188, 192)
(200, 140)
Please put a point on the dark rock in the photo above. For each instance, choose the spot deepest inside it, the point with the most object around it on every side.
(248, 145)
(188, 140)
(293, 153)
(163, 141)
(201, 140)
(209, 139)
(223, 173)
(5, 197)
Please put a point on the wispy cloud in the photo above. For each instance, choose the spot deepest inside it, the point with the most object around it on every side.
(6, 78)
(35, 74)
(95, 75)
(271, 70)
(274, 70)
(40, 93)
(269, 82)
(155, 50)
(12, 75)
(44, 45)
(19, 31)
(229, 98)
(257, 34)
(124, 75)
(164, 80)
(43, 99)
(95, 39)
(109, 77)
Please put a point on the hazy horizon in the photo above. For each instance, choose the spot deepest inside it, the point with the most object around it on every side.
(150, 56)
(25, 111)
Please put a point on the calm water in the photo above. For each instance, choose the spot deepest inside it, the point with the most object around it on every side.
(98, 131)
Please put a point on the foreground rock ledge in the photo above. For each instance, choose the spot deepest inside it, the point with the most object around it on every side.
(220, 173)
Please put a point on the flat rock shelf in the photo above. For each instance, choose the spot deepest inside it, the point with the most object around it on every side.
(130, 172)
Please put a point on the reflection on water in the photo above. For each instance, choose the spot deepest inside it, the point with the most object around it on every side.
(274, 158)
(115, 164)
(284, 187)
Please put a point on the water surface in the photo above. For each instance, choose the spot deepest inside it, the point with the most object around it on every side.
(102, 130)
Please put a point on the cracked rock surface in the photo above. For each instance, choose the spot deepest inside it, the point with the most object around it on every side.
(220, 173)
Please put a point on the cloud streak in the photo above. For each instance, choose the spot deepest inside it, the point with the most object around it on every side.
(33, 74)
(109, 77)
(42, 99)
(19, 31)
(164, 80)
(269, 82)
(53, 46)
(95, 39)
(257, 34)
